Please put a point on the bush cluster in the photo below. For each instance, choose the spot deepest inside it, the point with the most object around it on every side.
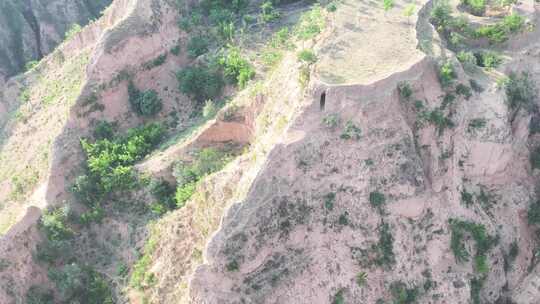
(109, 162)
(81, 284)
(236, 68)
(145, 103)
(200, 82)
(483, 241)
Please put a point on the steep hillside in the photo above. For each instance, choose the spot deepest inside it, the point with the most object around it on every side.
(273, 152)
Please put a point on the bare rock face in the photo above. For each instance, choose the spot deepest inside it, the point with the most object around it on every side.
(30, 29)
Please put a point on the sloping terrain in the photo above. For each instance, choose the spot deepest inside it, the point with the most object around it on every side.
(275, 152)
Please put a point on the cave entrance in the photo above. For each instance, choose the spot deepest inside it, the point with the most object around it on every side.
(322, 102)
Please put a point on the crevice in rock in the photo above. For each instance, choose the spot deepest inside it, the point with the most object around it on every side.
(30, 18)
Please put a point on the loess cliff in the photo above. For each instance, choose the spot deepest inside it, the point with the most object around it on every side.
(270, 152)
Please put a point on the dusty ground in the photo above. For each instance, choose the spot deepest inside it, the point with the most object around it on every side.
(289, 220)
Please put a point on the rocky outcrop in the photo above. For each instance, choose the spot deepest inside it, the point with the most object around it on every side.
(31, 29)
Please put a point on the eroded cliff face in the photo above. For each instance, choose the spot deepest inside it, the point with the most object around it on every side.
(346, 190)
(31, 29)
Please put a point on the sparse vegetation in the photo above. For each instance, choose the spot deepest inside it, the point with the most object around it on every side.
(141, 277)
(339, 298)
(475, 124)
(384, 249)
(351, 131)
(311, 23)
(207, 161)
(159, 60)
(331, 121)
(402, 294)
(361, 279)
(377, 199)
(483, 241)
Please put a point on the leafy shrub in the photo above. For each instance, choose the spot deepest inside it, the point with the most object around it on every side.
(467, 59)
(477, 7)
(384, 249)
(441, 15)
(520, 91)
(81, 284)
(307, 56)
(268, 12)
(464, 91)
(402, 294)
(87, 190)
(437, 118)
(488, 59)
(94, 215)
(103, 130)
(146, 103)
(184, 193)
(109, 162)
(447, 74)
(175, 50)
(329, 200)
(54, 223)
(236, 67)
(159, 60)
(200, 82)
(163, 192)
(483, 241)
(377, 199)
(339, 298)
(476, 287)
(39, 295)
(197, 46)
(500, 32)
(280, 39)
(388, 5)
(351, 131)
(361, 279)
(331, 121)
(476, 123)
(232, 266)
(405, 90)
